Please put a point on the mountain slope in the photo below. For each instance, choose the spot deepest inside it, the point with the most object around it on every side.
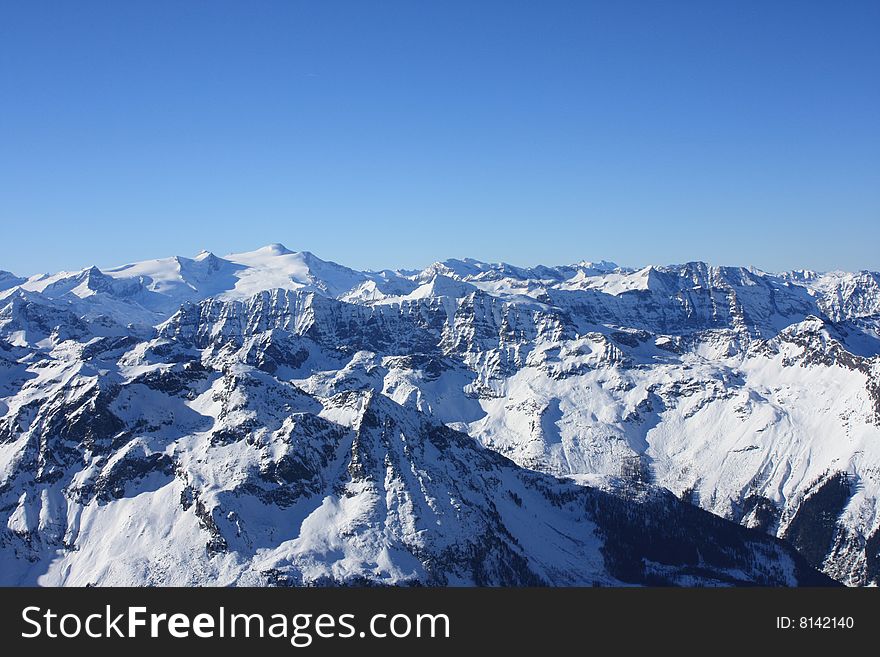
(184, 475)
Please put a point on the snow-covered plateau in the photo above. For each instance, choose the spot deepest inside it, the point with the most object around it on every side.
(270, 418)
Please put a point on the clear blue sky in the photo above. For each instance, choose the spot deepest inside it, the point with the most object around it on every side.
(395, 133)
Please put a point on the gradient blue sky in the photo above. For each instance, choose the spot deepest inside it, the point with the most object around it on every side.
(400, 132)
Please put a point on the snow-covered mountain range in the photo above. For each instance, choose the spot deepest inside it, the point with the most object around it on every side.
(272, 418)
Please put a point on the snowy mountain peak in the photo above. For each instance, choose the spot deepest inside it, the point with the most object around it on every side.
(601, 266)
(441, 286)
(9, 280)
(275, 249)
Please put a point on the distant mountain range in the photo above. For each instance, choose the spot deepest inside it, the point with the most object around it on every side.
(270, 418)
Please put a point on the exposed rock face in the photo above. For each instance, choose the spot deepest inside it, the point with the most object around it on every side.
(270, 418)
